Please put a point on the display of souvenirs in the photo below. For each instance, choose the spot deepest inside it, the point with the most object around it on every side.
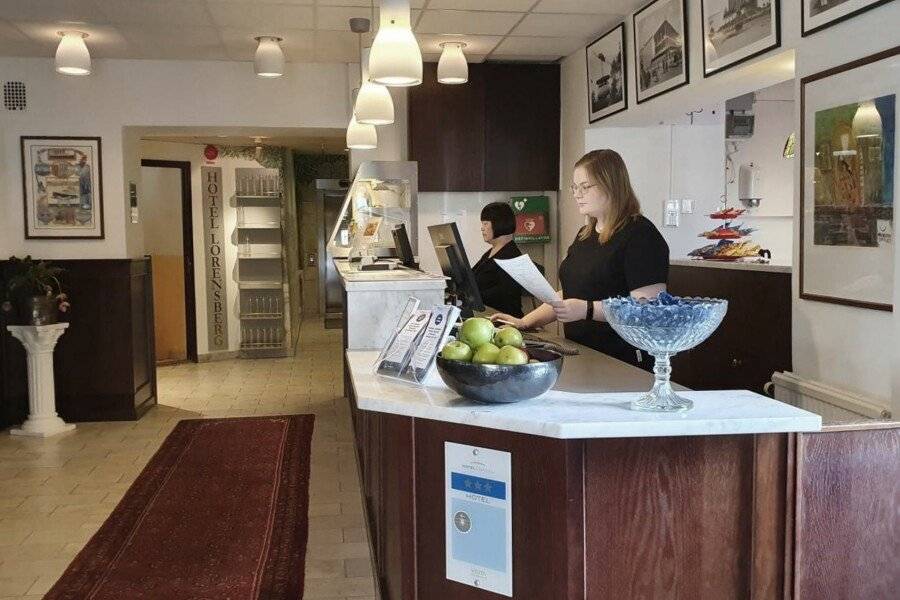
(727, 250)
(728, 214)
(727, 232)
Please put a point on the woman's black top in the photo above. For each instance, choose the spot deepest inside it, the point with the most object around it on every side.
(498, 289)
(634, 257)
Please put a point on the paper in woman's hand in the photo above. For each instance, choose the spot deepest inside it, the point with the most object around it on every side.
(522, 269)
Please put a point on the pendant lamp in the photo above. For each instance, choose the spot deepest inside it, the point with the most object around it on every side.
(72, 55)
(360, 136)
(374, 105)
(395, 60)
(452, 67)
(269, 59)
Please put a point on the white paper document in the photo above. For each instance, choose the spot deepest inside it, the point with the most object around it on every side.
(527, 275)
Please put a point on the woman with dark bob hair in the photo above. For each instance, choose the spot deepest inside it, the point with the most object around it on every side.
(498, 289)
(618, 252)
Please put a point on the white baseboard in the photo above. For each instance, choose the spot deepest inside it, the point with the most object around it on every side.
(830, 402)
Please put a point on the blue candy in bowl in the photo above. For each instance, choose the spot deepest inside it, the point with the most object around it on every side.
(664, 326)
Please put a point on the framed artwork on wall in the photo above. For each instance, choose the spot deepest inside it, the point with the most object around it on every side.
(735, 31)
(607, 74)
(816, 15)
(848, 183)
(660, 48)
(62, 186)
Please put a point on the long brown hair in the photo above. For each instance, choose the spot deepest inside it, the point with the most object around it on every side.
(607, 170)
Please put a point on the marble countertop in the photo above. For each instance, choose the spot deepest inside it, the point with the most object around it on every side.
(400, 278)
(742, 266)
(590, 400)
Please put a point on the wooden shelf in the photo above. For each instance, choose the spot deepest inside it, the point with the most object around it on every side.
(260, 285)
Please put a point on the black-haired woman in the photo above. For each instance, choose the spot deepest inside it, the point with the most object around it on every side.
(498, 289)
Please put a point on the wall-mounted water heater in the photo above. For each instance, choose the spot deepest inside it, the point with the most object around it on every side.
(749, 185)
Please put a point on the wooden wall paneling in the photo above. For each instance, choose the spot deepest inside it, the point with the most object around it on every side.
(522, 120)
(847, 515)
(397, 528)
(547, 512)
(446, 132)
(669, 517)
(770, 496)
(13, 377)
(142, 335)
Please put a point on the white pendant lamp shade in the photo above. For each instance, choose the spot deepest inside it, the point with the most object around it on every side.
(452, 67)
(72, 56)
(396, 60)
(867, 121)
(269, 59)
(374, 105)
(360, 136)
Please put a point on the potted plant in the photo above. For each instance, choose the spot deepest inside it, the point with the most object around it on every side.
(33, 290)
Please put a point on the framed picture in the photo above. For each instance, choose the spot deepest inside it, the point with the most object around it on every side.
(660, 48)
(606, 73)
(62, 185)
(848, 141)
(737, 30)
(816, 15)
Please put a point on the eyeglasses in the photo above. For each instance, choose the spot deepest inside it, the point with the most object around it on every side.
(583, 188)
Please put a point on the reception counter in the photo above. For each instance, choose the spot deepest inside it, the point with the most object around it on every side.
(730, 500)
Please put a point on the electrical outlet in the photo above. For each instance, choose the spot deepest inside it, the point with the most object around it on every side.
(672, 213)
(687, 206)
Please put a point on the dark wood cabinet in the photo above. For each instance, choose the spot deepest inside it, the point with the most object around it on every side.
(754, 340)
(498, 132)
(105, 363)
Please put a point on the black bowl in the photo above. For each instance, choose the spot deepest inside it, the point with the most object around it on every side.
(500, 384)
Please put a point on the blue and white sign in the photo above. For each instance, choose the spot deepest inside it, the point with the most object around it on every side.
(478, 504)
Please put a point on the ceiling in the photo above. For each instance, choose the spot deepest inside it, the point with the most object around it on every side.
(302, 139)
(313, 30)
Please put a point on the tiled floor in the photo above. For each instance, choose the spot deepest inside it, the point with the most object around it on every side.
(55, 493)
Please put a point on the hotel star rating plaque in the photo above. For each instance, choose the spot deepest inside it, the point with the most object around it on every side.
(478, 506)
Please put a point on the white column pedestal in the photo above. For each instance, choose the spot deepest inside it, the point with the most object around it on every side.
(39, 342)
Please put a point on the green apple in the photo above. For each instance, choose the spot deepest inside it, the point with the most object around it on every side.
(509, 336)
(476, 332)
(457, 351)
(510, 355)
(533, 361)
(486, 354)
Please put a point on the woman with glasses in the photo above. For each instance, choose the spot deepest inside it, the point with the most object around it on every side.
(618, 252)
(498, 289)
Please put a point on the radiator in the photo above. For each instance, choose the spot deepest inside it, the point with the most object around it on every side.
(832, 403)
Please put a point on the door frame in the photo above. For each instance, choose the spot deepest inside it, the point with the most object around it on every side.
(187, 246)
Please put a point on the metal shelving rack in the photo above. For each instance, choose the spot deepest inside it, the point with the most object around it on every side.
(258, 199)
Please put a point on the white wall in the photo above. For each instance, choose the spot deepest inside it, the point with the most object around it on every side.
(121, 93)
(160, 210)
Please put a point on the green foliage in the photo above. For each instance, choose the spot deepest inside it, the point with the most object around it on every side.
(309, 167)
(29, 277)
(271, 157)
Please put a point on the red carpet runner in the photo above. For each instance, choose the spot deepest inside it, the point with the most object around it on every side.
(220, 512)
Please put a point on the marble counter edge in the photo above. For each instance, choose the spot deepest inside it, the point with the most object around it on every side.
(736, 266)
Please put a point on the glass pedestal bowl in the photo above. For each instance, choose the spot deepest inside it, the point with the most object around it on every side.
(663, 327)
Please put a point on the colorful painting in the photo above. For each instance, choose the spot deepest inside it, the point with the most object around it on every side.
(854, 180)
(607, 82)
(737, 30)
(660, 42)
(62, 186)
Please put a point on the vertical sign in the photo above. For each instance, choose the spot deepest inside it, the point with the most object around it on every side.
(214, 249)
(478, 501)
(532, 218)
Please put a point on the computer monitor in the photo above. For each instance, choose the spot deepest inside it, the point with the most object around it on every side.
(451, 254)
(404, 248)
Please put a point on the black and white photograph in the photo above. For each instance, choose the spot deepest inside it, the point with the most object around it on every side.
(737, 30)
(819, 14)
(660, 42)
(607, 80)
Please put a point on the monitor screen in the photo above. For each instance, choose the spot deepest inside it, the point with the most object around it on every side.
(403, 247)
(454, 263)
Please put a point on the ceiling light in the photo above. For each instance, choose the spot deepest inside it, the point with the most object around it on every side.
(72, 56)
(452, 67)
(360, 136)
(269, 59)
(396, 59)
(867, 121)
(374, 105)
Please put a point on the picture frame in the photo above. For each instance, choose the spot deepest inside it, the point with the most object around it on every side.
(814, 17)
(62, 187)
(736, 32)
(661, 43)
(607, 74)
(848, 210)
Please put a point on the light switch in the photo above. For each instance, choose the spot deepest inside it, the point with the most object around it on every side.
(672, 213)
(687, 206)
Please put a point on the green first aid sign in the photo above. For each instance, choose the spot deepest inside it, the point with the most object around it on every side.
(532, 218)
